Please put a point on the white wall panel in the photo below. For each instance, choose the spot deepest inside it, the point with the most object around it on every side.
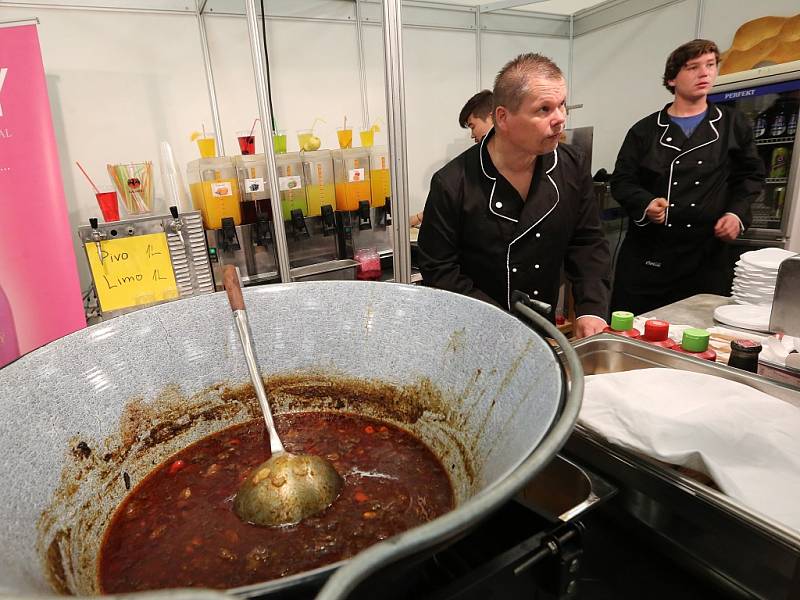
(313, 73)
(617, 74)
(439, 77)
(497, 49)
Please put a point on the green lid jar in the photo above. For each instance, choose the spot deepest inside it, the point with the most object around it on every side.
(621, 320)
(695, 340)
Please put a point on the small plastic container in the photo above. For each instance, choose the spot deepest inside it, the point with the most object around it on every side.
(695, 343)
(622, 324)
(369, 264)
(744, 355)
(656, 332)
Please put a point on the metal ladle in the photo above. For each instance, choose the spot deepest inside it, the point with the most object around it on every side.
(288, 487)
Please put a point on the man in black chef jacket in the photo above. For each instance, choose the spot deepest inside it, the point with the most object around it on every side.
(510, 212)
(686, 176)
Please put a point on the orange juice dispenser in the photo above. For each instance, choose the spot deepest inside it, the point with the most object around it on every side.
(379, 175)
(214, 187)
(362, 218)
(351, 174)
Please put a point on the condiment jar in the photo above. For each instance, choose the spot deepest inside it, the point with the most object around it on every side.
(744, 355)
(695, 343)
(657, 333)
(622, 324)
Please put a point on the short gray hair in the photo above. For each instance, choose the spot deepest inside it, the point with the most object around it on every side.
(511, 83)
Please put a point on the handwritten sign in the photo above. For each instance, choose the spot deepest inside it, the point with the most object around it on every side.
(133, 271)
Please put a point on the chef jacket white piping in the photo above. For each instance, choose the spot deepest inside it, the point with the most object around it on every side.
(516, 239)
(672, 164)
(494, 179)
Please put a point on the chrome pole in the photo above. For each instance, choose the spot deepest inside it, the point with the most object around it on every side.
(478, 49)
(396, 113)
(362, 70)
(265, 116)
(212, 93)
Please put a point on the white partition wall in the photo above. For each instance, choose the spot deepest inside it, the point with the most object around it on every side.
(617, 73)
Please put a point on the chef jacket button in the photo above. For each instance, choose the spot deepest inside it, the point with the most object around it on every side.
(498, 205)
(688, 225)
(671, 205)
(677, 162)
(692, 204)
(535, 266)
(669, 224)
(538, 235)
(535, 292)
(669, 139)
(699, 162)
(674, 183)
(697, 183)
(514, 270)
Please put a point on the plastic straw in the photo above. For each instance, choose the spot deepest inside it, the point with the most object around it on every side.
(345, 122)
(89, 179)
(316, 120)
(253, 128)
(203, 125)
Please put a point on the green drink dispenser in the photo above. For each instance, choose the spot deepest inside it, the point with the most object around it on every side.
(320, 188)
(291, 184)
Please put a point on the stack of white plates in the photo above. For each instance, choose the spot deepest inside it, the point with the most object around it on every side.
(755, 275)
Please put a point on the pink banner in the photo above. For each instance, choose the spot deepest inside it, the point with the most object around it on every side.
(40, 295)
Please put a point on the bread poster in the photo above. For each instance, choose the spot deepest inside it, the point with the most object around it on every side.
(761, 42)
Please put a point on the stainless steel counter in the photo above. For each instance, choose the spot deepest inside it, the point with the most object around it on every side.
(697, 311)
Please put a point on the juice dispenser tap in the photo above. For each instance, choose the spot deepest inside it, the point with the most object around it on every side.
(328, 220)
(299, 227)
(385, 219)
(176, 225)
(364, 216)
(263, 234)
(97, 237)
(227, 239)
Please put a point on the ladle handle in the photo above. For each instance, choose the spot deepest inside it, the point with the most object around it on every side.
(230, 279)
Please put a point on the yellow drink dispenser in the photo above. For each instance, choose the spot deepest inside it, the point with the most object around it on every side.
(352, 178)
(379, 175)
(291, 184)
(214, 188)
(251, 171)
(320, 189)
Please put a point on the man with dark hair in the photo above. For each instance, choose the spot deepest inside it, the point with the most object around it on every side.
(477, 115)
(510, 212)
(686, 176)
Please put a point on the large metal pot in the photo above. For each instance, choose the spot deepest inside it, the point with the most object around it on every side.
(88, 416)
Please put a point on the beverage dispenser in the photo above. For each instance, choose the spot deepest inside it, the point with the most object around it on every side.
(364, 215)
(379, 176)
(214, 188)
(233, 197)
(305, 180)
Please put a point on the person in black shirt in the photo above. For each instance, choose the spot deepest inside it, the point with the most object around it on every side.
(686, 176)
(513, 211)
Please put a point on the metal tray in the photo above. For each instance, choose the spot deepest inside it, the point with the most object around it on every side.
(746, 553)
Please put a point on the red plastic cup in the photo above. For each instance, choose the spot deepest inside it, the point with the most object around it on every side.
(109, 206)
(247, 143)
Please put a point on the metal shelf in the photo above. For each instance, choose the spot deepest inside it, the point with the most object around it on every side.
(786, 139)
(776, 180)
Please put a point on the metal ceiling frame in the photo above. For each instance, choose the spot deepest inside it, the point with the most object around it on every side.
(502, 4)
